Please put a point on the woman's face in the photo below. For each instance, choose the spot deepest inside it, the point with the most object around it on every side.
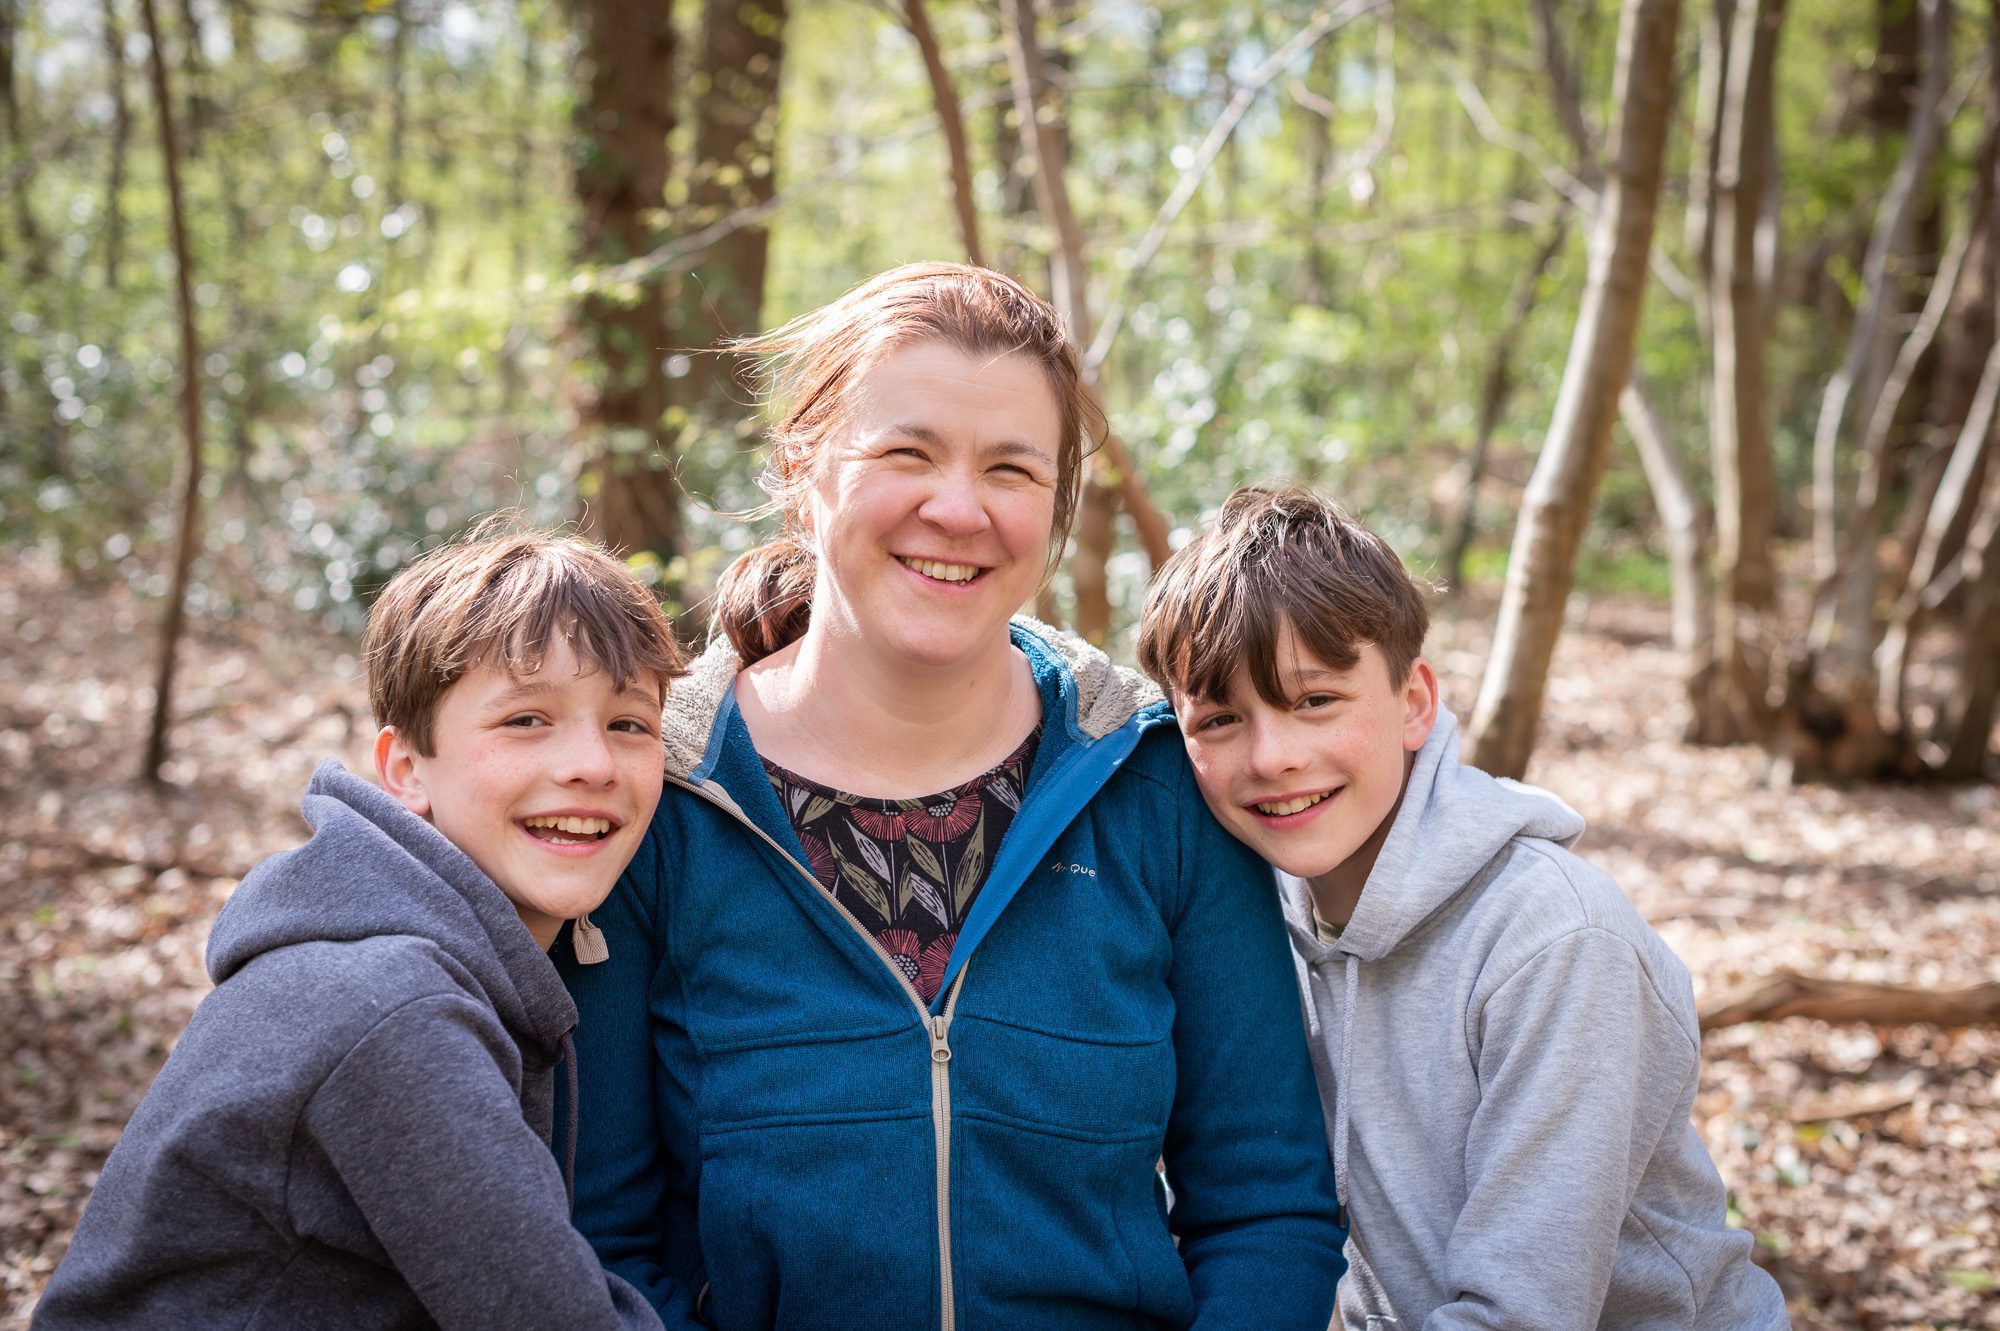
(932, 504)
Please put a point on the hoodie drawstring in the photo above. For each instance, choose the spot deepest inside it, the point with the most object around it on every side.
(566, 1051)
(1341, 1090)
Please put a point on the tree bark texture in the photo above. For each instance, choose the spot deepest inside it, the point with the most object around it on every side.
(1556, 508)
(1497, 387)
(1113, 464)
(621, 176)
(121, 140)
(1688, 525)
(1895, 221)
(1732, 707)
(951, 125)
(187, 536)
(734, 167)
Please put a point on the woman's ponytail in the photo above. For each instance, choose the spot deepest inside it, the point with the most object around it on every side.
(764, 600)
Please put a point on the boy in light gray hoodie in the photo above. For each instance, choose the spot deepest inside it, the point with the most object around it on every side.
(1507, 1053)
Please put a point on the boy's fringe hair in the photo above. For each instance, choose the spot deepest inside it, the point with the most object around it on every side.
(502, 593)
(809, 371)
(1277, 556)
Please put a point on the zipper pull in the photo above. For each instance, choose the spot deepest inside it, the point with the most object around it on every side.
(940, 1045)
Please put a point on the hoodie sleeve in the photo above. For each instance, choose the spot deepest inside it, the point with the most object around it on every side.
(1254, 1206)
(1582, 1063)
(425, 1132)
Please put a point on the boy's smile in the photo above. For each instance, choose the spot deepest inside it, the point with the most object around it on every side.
(1310, 782)
(546, 780)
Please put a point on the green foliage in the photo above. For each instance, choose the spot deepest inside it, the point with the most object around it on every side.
(383, 236)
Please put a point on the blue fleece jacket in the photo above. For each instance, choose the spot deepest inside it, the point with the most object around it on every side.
(772, 1112)
(354, 1130)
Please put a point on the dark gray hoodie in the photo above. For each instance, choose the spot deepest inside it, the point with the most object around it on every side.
(1515, 1053)
(354, 1130)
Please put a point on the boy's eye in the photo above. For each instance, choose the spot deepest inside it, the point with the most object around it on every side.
(1213, 721)
(524, 721)
(632, 726)
(1312, 700)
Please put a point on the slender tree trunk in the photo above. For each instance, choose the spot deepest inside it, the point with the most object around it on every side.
(194, 67)
(944, 97)
(1894, 221)
(1688, 526)
(1494, 392)
(1830, 726)
(188, 533)
(621, 177)
(121, 139)
(1969, 712)
(16, 162)
(1969, 323)
(733, 168)
(1733, 706)
(1717, 25)
(1556, 508)
(1113, 466)
(1955, 500)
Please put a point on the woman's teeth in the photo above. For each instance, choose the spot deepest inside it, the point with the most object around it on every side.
(1299, 805)
(931, 568)
(568, 829)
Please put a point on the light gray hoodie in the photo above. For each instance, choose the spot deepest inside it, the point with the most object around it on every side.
(1515, 1053)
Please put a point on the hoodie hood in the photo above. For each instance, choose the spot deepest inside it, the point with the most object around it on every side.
(1096, 695)
(374, 869)
(1452, 821)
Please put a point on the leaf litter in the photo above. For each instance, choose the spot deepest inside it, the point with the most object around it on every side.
(1865, 1160)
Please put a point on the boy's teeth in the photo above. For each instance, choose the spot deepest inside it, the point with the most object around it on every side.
(1284, 807)
(931, 568)
(573, 826)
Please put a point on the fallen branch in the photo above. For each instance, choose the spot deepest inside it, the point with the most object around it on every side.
(1789, 994)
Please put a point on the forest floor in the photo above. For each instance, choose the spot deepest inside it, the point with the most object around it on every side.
(1866, 1160)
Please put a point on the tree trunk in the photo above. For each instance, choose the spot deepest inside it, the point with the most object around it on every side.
(1717, 24)
(1494, 392)
(958, 156)
(621, 176)
(1113, 464)
(1890, 239)
(17, 165)
(1732, 707)
(1968, 330)
(1688, 525)
(121, 139)
(188, 534)
(1953, 506)
(733, 168)
(194, 68)
(1556, 508)
(1830, 727)
(1968, 715)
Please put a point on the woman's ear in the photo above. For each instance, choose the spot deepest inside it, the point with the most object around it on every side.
(396, 769)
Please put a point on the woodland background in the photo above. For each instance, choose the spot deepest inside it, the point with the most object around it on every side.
(1660, 334)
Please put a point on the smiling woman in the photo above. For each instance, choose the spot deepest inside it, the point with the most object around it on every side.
(932, 953)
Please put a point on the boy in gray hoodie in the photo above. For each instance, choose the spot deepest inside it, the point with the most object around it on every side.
(354, 1130)
(1507, 1053)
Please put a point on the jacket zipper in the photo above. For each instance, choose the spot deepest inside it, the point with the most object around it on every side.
(939, 1029)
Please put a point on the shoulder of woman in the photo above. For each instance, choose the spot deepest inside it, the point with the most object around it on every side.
(688, 717)
(1107, 694)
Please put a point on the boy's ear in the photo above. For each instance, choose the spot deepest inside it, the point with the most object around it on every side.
(396, 768)
(1420, 705)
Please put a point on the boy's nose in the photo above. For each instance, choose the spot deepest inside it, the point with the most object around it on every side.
(1270, 751)
(587, 758)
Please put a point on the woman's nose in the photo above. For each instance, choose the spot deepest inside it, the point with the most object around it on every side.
(956, 505)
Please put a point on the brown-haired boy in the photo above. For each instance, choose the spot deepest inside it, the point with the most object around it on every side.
(1514, 1051)
(354, 1129)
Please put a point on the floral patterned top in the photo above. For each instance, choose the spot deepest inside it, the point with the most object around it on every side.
(908, 870)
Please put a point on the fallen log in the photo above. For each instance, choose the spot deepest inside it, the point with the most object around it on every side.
(1789, 994)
